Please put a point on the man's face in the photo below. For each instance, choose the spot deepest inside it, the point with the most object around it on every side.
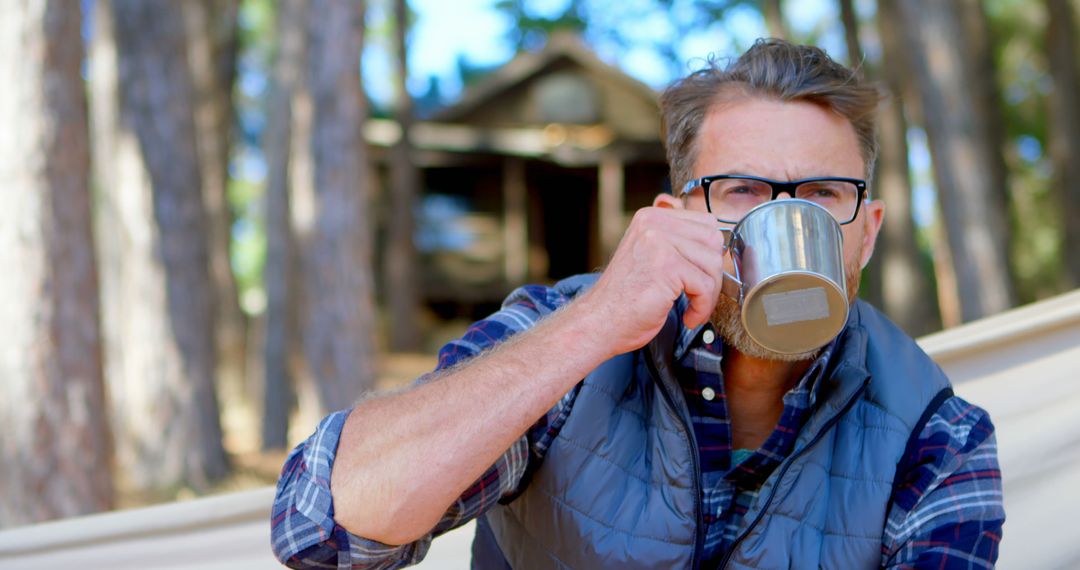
(783, 141)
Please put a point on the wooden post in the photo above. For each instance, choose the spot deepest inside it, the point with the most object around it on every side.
(515, 231)
(612, 197)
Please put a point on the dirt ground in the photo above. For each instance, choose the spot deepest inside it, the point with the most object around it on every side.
(251, 467)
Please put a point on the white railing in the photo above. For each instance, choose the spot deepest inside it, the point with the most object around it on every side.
(1023, 366)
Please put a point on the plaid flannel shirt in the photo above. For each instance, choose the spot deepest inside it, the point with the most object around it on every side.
(946, 510)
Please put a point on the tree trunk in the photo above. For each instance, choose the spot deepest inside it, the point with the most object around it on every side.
(1064, 127)
(55, 452)
(279, 340)
(851, 33)
(774, 18)
(945, 274)
(210, 26)
(871, 287)
(301, 180)
(333, 230)
(980, 58)
(399, 262)
(159, 327)
(907, 296)
(961, 143)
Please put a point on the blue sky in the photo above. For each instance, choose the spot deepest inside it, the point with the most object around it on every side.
(474, 30)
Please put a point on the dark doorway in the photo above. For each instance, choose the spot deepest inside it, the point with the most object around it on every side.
(567, 203)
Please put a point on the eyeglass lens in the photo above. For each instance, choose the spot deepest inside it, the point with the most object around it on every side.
(731, 199)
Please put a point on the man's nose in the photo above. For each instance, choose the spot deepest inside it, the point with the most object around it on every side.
(784, 195)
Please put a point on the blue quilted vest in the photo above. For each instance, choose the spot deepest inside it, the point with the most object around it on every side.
(619, 487)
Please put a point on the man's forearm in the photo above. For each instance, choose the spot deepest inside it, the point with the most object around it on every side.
(404, 458)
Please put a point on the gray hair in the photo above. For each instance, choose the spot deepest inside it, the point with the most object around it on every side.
(774, 69)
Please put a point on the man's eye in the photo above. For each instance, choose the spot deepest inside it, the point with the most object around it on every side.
(821, 193)
(743, 189)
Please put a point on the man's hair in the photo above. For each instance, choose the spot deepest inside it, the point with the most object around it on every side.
(771, 69)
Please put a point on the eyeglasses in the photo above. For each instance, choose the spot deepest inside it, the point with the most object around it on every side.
(730, 196)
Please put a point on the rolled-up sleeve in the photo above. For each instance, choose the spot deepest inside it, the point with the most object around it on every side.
(305, 535)
(302, 519)
(303, 531)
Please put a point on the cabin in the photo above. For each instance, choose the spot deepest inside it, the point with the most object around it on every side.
(532, 175)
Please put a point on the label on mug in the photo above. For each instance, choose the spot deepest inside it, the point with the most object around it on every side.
(795, 306)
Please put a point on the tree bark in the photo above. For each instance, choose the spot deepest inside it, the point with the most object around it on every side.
(399, 261)
(980, 58)
(278, 339)
(906, 292)
(55, 452)
(160, 338)
(301, 180)
(851, 33)
(1064, 127)
(871, 287)
(210, 27)
(332, 223)
(961, 141)
(773, 13)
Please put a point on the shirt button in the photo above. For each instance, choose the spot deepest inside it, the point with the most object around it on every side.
(708, 393)
(709, 336)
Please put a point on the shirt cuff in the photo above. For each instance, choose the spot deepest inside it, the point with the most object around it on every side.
(304, 529)
(302, 515)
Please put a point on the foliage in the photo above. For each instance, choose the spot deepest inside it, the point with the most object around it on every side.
(247, 170)
(660, 27)
(1019, 55)
(531, 30)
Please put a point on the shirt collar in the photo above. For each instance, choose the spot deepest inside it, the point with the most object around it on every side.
(803, 394)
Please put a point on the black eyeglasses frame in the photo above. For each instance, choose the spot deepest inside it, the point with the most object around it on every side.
(778, 188)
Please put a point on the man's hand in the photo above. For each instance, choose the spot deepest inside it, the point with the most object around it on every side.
(404, 458)
(663, 253)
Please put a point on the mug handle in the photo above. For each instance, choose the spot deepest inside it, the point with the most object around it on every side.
(732, 285)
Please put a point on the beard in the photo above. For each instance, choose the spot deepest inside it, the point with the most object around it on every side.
(727, 319)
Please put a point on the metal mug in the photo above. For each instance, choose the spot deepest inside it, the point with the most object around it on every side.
(789, 271)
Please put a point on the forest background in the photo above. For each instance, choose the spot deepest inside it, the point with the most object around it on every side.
(201, 258)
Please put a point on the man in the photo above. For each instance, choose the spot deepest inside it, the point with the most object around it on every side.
(680, 448)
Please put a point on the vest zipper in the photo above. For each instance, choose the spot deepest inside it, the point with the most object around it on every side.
(784, 468)
(699, 535)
